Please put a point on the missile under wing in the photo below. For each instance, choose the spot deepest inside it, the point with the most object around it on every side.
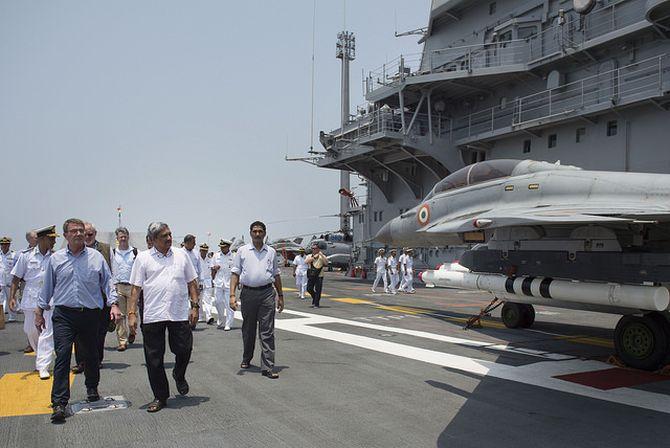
(556, 235)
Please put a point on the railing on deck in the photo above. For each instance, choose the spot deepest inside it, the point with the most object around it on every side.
(624, 85)
(556, 39)
(637, 81)
(382, 120)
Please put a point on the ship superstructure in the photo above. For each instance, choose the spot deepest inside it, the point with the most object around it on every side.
(583, 82)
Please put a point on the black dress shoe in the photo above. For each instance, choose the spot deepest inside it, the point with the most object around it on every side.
(156, 405)
(92, 394)
(270, 374)
(131, 338)
(245, 365)
(182, 386)
(210, 321)
(58, 415)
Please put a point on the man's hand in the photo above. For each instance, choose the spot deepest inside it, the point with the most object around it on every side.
(233, 302)
(12, 304)
(280, 304)
(193, 316)
(115, 313)
(132, 323)
(216, 268)
(294, 273)
(39, 320)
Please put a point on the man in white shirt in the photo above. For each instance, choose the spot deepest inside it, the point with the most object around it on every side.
(401, 268)
(255, 269)
(409, 271)
(392, 266)
(123, 258)
(7, 260)
(380, 267)
(222, 264)
(189, 246)
(30, 268)
(205, 285)
(300, 273)
(167, 278)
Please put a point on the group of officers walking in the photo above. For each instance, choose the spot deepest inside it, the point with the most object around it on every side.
(73, 296)
(396, 273)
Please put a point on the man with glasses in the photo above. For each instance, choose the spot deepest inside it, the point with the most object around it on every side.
(90, 239)
(74, 280)
(123, 258)
(317, 261)
(167, 279)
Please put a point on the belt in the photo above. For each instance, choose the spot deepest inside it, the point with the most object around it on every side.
(123, 283)
(80, 309)
(257, 288)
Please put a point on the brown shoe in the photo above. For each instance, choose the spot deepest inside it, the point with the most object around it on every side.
(122, 348)
(131, 338)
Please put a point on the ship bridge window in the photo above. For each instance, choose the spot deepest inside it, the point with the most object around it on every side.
(475, 174)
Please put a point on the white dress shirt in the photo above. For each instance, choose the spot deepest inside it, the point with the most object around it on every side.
(205, 271)
(164, 279)
(392, 263)
(122, 264)
(380, 263)
(300, 264)
(194, 259)
(7, 262)
(225, 262)
(256, 267)
(30, 267)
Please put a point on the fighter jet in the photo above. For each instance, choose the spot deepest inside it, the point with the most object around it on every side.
(555, 235)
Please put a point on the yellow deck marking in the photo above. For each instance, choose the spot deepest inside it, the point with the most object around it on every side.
(295, 290)
(24, 393)
(30, 354)
(579, 339)
(353, 301)
(600, 342)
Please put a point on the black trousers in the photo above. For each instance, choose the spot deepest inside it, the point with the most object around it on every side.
(70, 324)
(180, 339)
(314, 286)
(258, 311)
(100, 338)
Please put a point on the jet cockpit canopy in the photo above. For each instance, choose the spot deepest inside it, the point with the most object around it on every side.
(490, 170)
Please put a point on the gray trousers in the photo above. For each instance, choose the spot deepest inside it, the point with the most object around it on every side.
(258, 310)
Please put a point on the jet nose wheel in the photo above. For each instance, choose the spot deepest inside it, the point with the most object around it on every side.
(517, 315)
(643, 342)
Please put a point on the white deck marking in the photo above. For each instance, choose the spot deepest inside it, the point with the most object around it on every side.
(539, 374)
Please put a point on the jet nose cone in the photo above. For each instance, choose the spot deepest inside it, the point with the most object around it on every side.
(384, 235)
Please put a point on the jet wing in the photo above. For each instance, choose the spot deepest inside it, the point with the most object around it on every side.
(545, 215)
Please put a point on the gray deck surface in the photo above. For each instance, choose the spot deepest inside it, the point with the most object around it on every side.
(335, 393)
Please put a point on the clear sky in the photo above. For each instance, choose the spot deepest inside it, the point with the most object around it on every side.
(179, 111)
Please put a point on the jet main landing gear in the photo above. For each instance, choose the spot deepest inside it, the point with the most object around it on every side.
(518, 315)
(643, 342)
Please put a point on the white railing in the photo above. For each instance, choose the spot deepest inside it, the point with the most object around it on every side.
(637, 81)
(384, 120)
(558, 38)
(634, 82)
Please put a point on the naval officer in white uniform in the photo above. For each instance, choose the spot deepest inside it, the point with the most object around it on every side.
(30, 268)
(380, 266)
(7, 260)
(205, 285)
(300, 272)
(222, 264)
